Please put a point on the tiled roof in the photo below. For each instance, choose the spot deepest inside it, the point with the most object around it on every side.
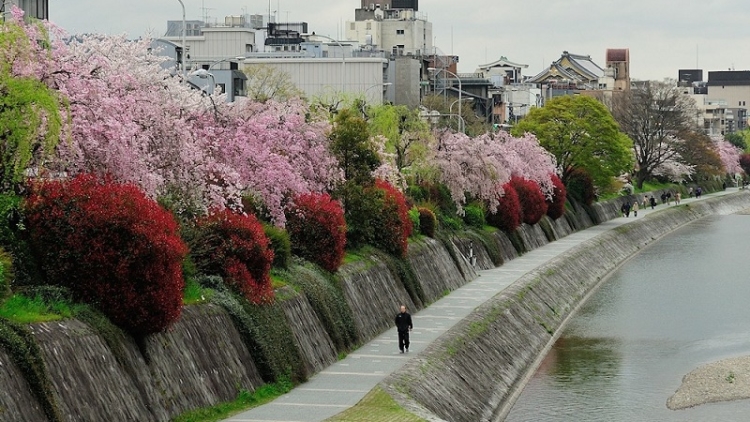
(582, 69)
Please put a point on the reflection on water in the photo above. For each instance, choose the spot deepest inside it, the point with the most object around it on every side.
(680, 303)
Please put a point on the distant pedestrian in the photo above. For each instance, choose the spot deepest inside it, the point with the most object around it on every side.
(698, 192)
(677, 198)
(723, 185)
(690, 192)
(663, 198)
(653, 202)
(669, 198)
(635, 208)
(645, 202)
(403, 325)
(625, 208)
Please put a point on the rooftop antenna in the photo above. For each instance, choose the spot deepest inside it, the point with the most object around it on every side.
(205, 10)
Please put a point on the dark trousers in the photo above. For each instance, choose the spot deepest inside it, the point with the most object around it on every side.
(403, 340)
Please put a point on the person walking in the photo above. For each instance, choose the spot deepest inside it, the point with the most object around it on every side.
(403, 325)
(635, 208)
(625, 209)
(653, 201)
(677, 198)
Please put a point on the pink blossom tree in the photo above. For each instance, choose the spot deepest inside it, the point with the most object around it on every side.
(131, 118)
(480, 166)
(729, 154)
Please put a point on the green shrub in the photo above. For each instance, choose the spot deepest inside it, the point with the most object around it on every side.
(414, 217)
(6, 274)
(280, 244)
(427, 222)
(451, 223)
(474, 216)
(13, 238)
(266, 332)
(327, 300)
(18, 342)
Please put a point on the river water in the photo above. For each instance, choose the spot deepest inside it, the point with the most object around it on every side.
(680, 303)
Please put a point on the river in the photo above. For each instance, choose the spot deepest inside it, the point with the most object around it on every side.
(680, 303)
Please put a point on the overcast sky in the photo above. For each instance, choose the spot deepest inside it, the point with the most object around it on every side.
(663, 36)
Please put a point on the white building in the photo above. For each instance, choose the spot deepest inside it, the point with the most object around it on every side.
(397, 31)
(329, 78)
(212, 44)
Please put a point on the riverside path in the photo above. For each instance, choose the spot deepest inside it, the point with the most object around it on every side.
(346, 382)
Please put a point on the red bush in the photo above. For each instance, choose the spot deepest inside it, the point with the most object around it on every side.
(317, 229)
(580, 186)
(556, 206)
(508, 215)
(395, 224)
(234, 247)
(533, 206)
(112, 247)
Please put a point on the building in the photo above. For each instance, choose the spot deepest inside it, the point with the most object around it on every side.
(398, 31)
(617, 70)
(37, 9)
(721, 102)
(511, 98)
(216, 48)
(207, 45)
(568, 74)
(328, 77)
(731, 86)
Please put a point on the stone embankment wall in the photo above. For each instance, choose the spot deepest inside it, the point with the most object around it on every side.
(473, 372)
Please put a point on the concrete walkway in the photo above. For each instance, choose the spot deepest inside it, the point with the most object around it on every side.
(346, 382)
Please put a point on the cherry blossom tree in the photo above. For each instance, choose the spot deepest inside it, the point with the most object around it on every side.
(480, 166)
(130, 117)
(729, 154)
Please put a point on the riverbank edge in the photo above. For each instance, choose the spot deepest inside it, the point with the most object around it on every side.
(478, 368)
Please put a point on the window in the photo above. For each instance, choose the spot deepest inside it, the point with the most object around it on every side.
(369, 25)
(399, 32)
(352, 26)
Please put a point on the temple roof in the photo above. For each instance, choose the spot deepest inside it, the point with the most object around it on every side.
(571, 67)
(503, 62)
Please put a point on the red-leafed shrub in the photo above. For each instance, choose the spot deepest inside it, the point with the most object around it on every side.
(745, 163)
(234, 247)
(508, 216)
(427, 221)
(556, 206)
(533, 205)
(581, 186)
(317, 229)
(112, 247)
(395, 225)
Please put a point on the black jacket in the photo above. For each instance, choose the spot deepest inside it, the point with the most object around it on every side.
(403, 322)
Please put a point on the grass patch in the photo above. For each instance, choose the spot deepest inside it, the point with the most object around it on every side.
(245, 400)
(376, 406)
(277, 280)
(194, 293)
(25, 310)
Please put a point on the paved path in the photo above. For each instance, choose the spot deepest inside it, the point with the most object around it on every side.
(346, 382)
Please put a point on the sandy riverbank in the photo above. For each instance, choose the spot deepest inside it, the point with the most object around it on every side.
(725, 380)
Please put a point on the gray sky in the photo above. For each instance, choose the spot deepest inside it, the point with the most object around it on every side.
(663, 36)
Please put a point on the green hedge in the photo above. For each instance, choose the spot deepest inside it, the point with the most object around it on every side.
(266, 332)
(18, 342)
(327, 300)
